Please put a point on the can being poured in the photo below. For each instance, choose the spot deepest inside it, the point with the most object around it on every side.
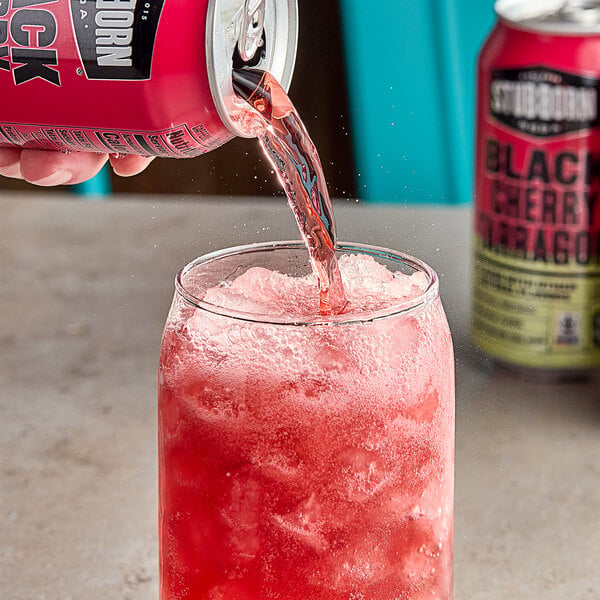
(150, 77)
(536, 305)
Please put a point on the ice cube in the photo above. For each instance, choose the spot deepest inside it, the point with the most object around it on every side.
(190, 540)
(363, 474)
(332, 358)
(242, 514)
(414, 546)
(401, 356)
(276, 465)
(305, 524)
(405, 287)
(424, 409)
(358, 268)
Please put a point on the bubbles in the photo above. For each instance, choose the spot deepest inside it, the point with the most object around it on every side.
(239, 334)
(421, 552)
(361, 565)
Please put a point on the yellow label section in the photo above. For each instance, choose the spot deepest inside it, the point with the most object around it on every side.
(536, 315)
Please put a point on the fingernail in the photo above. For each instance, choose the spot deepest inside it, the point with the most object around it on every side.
(13, 170)
(57, 178)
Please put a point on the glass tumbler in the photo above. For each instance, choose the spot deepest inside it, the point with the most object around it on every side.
(304, 457)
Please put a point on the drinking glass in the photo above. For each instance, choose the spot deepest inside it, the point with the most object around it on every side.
(304, 457)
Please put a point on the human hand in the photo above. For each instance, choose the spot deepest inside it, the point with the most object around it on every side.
(49, 168)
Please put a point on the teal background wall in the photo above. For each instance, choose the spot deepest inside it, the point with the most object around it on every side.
(411, 68)
(97, 188)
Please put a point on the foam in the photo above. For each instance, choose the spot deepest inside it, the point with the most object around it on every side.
(369, 285)
(263, 292)
(391, 367)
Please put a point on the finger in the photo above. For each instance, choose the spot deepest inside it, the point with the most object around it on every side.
(130, 164)
(48, 168)
(10, 162)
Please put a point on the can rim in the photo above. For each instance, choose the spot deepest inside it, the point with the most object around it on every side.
(280, 61)
(514, 12)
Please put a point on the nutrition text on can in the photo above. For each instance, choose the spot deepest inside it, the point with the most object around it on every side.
(536, 304)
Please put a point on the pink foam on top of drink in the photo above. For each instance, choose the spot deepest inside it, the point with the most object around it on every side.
(369, 287)
(307, 463)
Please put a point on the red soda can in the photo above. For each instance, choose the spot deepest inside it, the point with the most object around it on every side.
(150, 77)
(536, 305)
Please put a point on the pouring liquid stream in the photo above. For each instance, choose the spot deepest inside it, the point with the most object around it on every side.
(288, 147)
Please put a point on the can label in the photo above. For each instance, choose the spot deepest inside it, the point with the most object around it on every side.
(543, 102)
(27, 41)
(174, 142)
(537, 221)
(97, 76)
(116, 37)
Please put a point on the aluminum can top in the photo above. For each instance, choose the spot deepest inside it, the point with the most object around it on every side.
(556, 17)
(263, 30)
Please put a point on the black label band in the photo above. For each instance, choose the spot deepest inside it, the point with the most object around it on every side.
(544, 102)
(116, 37)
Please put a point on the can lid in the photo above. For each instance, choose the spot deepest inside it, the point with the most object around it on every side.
(560, 17)
(233, 28)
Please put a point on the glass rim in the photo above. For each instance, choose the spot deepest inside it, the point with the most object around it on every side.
(400, 308)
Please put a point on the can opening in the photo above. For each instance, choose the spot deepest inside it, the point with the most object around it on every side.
(261, 34)
(246, 82)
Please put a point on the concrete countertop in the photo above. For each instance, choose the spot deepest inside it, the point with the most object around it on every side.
(84, 291)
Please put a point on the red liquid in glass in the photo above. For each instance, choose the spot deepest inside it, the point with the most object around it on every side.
(305, 463)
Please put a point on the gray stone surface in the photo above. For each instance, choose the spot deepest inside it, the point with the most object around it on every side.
(84, 291)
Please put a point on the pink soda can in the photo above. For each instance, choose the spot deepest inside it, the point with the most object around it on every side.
(149, 77)
(302, 456)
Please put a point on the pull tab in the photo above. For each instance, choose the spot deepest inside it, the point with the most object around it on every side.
(582, 11)
(253, 23)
